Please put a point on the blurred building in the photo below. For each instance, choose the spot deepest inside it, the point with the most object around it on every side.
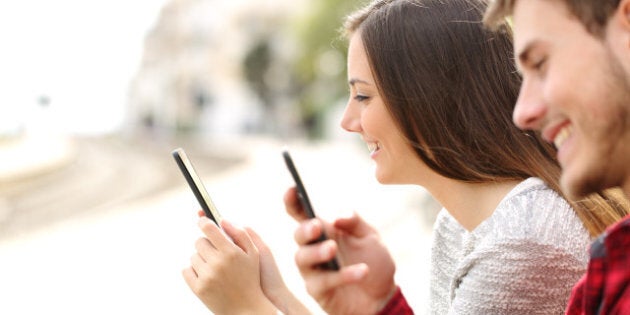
(202, 66)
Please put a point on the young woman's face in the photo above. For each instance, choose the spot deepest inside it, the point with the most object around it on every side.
(366, 114)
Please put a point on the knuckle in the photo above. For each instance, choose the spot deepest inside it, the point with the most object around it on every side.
(206, 228)
(229, 257)
(200, 242)
(299, 258)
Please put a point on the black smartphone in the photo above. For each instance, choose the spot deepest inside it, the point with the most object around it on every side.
(196, 185)
(306, 205)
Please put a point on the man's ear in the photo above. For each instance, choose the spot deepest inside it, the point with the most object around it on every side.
(618, 27)
(622, 14)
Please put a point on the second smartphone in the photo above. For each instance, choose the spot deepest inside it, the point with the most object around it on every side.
(306, 205)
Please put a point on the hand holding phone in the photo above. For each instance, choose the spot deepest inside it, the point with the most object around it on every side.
(306, 205)
(196, 185)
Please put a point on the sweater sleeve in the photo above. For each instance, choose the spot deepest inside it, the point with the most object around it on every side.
(518, 277)
(397, 305)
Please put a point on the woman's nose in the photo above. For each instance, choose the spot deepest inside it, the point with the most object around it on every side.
(351, 120)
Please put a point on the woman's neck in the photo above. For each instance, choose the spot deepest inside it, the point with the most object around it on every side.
(470, 203)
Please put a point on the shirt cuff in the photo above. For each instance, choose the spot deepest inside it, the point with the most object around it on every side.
(397, 305)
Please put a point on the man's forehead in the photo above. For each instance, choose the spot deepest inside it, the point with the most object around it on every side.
(524, 28)
(534, 21)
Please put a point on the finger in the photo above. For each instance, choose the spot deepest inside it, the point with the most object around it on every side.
(354, 225)
(293, 206)
(239, 237)
(204, 248)
(214, 235)
(353, 273)
(308, 231)
(321, 282)
(272, 279)
(201, 213)
(258, 242)
(190, 276)
(309, 257)
(198, 264)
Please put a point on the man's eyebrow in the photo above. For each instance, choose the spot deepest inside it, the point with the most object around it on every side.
(523, 55)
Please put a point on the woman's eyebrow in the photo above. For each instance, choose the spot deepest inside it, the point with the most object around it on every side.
(354, 81)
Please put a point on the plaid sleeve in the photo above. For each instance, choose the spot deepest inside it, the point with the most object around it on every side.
(605, 289)
(576, 300)
(615, 292)
(397, 305)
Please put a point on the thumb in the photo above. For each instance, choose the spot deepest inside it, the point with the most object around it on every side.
(258, 242)
(354, 225)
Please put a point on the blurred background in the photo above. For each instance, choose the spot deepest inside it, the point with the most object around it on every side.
(94, 214)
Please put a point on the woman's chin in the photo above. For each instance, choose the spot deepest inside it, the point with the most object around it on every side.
(383, 177)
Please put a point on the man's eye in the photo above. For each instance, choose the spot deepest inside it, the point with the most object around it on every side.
(539, 64)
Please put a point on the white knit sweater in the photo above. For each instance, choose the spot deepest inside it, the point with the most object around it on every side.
(523, 259)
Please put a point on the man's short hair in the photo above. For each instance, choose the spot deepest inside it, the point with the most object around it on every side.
(593, 14)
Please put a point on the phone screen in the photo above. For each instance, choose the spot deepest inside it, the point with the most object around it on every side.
(196, 185)
(306, 204)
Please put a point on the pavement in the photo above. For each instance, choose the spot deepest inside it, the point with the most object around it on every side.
(126, 257)
(50, 178)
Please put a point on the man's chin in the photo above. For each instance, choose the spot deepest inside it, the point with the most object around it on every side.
(576, 188)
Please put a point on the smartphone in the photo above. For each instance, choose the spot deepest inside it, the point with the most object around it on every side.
(196, 185)
(306, 205)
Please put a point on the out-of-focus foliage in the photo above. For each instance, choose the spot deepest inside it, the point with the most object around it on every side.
(297, 65)
(321, 60)
(256, 63)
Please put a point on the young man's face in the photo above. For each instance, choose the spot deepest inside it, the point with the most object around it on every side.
(576, 91)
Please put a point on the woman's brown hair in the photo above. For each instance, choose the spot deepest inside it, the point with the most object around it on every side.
(451, 86)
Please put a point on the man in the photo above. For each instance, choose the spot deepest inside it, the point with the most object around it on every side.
(574, 56)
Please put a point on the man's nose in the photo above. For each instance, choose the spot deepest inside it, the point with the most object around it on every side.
(530, 109)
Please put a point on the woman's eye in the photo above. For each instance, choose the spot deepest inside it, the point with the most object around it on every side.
(360, 98)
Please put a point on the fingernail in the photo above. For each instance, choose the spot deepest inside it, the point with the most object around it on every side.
(226, 224)
(326, 249)
(308, 228)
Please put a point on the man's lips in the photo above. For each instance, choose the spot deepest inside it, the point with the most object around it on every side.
(562, 136)
(550, 134)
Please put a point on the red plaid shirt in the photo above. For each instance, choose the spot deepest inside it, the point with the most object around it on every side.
(605, 289)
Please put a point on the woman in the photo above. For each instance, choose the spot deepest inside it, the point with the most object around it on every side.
(432, 94)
